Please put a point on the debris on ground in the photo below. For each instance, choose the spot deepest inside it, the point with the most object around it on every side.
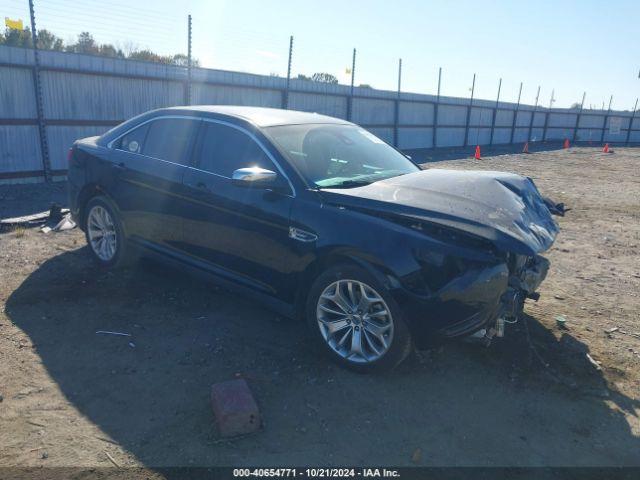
(36, 424)
(111, 459)
(56, 219)
(54, 215)
(558, 209)
(561, 320)
(25, 220)
(65, 224)
(593, 362)
(105, 332)
(234, 408)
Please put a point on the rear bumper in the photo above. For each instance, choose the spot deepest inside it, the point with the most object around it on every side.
(72, 196)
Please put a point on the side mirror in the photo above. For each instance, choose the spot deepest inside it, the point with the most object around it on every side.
(254, 176)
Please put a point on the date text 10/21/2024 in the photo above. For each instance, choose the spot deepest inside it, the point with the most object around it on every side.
(316, 473)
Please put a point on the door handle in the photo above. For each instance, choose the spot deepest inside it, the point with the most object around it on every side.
(199, 186)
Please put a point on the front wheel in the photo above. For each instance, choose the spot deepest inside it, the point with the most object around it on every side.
(356, 320)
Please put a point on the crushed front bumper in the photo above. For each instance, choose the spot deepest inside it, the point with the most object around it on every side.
(475, 300)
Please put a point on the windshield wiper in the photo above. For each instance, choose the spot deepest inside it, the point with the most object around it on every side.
(349, 184)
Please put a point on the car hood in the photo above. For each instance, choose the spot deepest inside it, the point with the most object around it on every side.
(504, 208)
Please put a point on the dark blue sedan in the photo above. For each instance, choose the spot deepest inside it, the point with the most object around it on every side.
(319, 219)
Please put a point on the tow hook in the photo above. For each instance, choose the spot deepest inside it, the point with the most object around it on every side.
(483, 336)
(488, 336)
(497, 330)
(500, 327)
(500, 323)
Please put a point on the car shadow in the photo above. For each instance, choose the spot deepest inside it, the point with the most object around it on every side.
(149, 392)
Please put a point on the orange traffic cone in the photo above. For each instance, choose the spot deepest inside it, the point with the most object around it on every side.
(566, 143)
(526, 147)
(477, 154)
(606, 148)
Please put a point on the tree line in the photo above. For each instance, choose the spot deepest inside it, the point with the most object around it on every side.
(86, 44)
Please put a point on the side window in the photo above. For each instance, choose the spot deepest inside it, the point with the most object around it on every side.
(224, 149)
(134, 140)
(169, 138)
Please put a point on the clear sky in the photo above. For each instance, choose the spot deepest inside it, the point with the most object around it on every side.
(568, 46)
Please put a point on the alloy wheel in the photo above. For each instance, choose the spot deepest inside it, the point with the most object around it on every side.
(102, 233)
(355, 321)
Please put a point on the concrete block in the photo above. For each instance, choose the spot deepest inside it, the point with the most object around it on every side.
(234, 407)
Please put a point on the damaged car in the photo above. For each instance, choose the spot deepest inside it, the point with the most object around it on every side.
(319, 219)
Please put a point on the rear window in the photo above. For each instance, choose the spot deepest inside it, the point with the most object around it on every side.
(133, 141)
(166, 138)
(169, 139)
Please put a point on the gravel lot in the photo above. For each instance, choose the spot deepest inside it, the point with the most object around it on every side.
(74, 398)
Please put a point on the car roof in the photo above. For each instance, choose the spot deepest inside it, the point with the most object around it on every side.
(263, 117)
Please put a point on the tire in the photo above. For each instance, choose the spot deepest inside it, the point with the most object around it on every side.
(385, 348)
(102, 214)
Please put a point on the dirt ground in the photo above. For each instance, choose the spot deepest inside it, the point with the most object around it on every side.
(71, 397)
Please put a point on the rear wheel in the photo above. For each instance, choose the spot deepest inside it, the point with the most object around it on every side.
(356, 320)
(105, 235)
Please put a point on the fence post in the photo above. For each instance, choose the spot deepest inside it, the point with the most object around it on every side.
(285, 97)
(37, 85)
(546, 126)
(189, 63)
(396, 116)
(495, 114)
(353, 77)
(606, 117)
(575, 128)
(546, 115)
(515, 116)
(533, 115)
(434, 129)
(633, 115)
(466, 129)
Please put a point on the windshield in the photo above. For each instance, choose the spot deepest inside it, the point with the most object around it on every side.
(339, 156)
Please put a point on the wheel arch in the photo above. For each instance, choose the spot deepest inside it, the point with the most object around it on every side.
(89, 191)
(338, 256)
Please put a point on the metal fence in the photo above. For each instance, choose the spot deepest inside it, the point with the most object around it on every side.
(44, 108)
